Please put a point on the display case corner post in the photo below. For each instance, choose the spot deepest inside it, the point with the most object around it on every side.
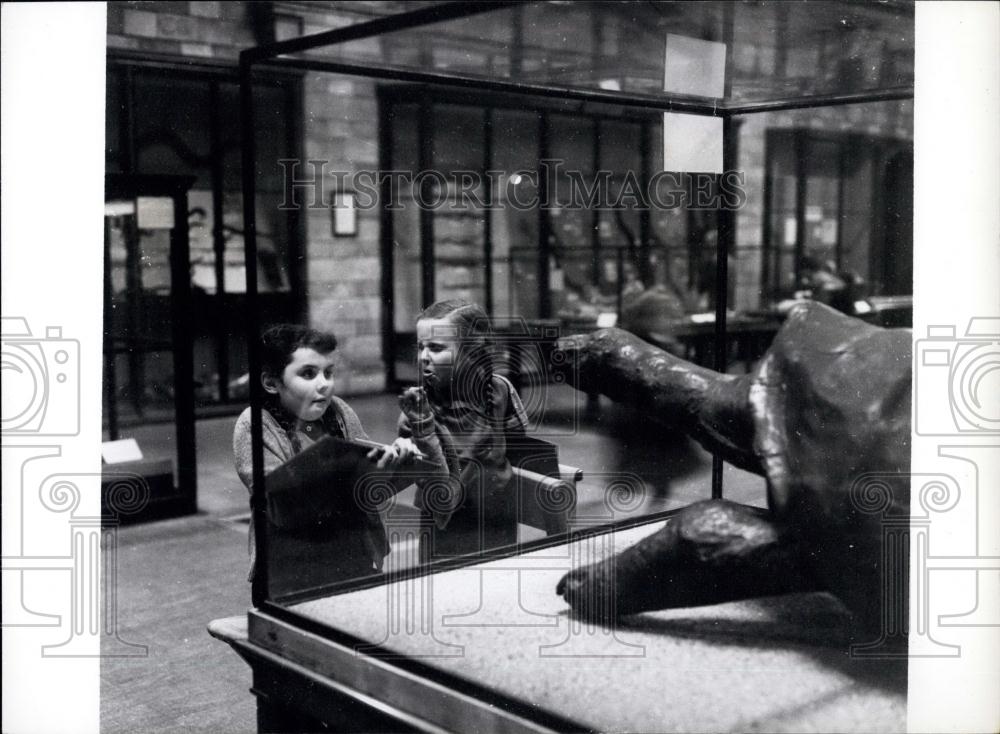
(180, 256)
(259, 588)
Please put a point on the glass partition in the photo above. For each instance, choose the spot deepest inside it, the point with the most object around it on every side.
(778, 50)
(185, 121)
(148, 396)
(835, 188)
(556, 215)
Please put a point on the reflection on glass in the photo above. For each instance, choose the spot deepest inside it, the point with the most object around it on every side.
(812, 180)
(779, 50)
(139, 320)
(407, 283)
(515, 220)
(334, 514)
(459, 223)
(837, 193)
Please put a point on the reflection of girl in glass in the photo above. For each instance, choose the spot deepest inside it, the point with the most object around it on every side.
(473, 410)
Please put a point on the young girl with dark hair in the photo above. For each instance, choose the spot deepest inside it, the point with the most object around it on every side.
(473, 412)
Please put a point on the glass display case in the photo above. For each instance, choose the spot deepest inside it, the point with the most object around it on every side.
(480, 101)
(177, 120)
(148, 349)
(529, 169)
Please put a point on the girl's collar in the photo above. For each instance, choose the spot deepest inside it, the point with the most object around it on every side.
(290, 423)
(282, 417)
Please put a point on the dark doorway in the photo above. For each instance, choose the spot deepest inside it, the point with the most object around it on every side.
(896, 262)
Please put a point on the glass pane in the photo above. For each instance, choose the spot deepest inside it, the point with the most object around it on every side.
(515, 220)
(895, 204)
(407, 274)
(658, 267)
(856, 219)
(843, 153)
(154, 261)
(822, 213)
(459, 222)
(779, 50)
(272, 244)
(201, 240)
(172, 124)
(572, 143)
(273, 105)
(668, 231)
(139, 369)
(619, 229)
(113, 122)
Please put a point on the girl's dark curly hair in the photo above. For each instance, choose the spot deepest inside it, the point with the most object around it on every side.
(280, 341)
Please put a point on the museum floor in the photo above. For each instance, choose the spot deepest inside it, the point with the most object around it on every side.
(176, 575)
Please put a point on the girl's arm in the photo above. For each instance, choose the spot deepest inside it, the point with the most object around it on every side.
(434, 469)
(507, 403)
(275, 454)
(440, 488)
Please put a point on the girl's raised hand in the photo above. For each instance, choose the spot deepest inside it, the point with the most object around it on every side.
(417, 409)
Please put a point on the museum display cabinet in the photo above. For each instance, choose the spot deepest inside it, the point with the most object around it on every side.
(148, 353)
(167, 117)
(647, 94)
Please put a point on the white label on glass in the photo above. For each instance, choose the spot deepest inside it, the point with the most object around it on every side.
(692, 143)
(155, 212)
(693, 66)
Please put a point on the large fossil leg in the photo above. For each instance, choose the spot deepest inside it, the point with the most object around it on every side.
(713, 408)
(825, 418)
(710, 552)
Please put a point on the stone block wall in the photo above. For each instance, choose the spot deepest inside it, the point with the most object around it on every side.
(340, 127)
(343, 274)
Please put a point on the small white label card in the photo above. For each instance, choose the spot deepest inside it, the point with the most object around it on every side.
(693, 66)
(120, 451)
(692, 143)
(155, 212)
